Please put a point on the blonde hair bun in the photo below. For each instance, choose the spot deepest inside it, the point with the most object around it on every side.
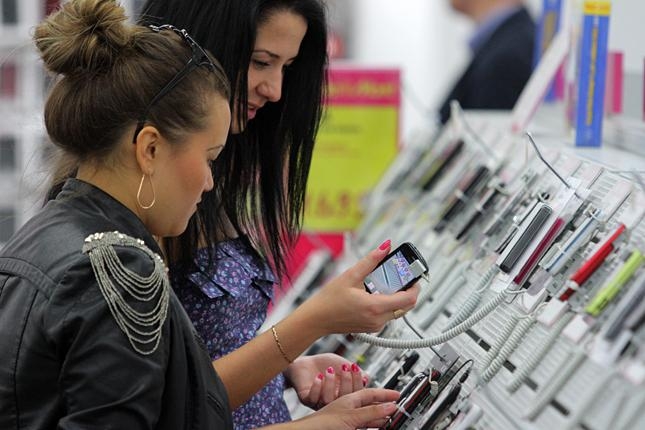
(83, 36)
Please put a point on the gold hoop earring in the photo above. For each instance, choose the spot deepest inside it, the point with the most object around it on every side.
(154, 197)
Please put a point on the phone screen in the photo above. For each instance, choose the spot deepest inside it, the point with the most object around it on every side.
(391, 275)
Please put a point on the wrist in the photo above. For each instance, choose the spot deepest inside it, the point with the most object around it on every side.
(312, 318)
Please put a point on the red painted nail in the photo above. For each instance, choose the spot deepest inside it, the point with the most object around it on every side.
(355, 368)
(364, 381)
(330, 370)
(345, 368)
(320, 376)
(385, 245)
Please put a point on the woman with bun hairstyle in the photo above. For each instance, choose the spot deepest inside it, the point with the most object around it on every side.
(274, 53)
(91, 334)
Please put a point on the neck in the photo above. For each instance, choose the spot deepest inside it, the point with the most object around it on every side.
(117, 184)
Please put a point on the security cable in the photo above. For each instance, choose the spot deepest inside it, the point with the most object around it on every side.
(474, 299)
(528, 366)
(546, 395)
(510, 345)
(443, 337)
(439, 303)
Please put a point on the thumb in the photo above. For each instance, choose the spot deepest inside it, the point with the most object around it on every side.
(368, 263)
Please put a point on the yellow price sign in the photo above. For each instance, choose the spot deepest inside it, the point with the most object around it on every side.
(357, 141)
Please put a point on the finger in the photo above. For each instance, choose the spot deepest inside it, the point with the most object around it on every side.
(375, 395)
(377, 424)
(388, 303)
(367, 416)
(313, 398)
(357, 377)
(328, 393)
(368, 263)
(346, 382)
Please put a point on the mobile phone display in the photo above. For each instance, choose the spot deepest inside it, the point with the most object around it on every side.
(398, 271)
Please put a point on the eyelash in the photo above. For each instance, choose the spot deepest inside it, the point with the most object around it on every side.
(262, 64)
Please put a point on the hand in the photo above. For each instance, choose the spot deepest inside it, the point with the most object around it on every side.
(343, 305)
(370, 407)
(320, 379)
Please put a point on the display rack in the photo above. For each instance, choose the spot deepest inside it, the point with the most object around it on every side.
(538, 362)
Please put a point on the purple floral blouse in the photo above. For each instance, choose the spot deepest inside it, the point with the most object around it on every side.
(227, 305)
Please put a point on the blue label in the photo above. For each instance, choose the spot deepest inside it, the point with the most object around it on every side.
(591, 80)
(547, 28)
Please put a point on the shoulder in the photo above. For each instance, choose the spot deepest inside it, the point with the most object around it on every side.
(118, 281)
(509, 50)
(516, 33)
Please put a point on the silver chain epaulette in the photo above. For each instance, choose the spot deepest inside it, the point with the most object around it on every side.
(141, 328)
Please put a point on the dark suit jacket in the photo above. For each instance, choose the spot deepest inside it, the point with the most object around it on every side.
(500, 68)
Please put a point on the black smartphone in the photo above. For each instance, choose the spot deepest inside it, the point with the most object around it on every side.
(398, 271)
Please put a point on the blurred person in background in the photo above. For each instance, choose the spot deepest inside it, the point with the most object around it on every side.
(502, 55)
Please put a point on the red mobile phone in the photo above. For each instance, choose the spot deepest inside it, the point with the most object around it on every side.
(398, 271)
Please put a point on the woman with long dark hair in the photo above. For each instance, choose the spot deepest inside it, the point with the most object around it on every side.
(274, 53)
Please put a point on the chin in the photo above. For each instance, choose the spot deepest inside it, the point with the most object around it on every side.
(177, 230)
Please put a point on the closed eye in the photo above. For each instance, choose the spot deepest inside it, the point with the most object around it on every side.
(260, 64)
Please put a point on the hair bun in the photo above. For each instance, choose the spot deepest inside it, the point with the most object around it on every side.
(84, 35)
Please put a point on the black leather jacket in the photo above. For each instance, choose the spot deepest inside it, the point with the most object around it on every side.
(64, 362)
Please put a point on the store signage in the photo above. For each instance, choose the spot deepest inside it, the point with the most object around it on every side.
(357, 141)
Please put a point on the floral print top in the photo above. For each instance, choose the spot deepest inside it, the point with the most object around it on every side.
(228, 304)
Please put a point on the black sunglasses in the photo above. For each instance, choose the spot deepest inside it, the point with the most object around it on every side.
(198, 58)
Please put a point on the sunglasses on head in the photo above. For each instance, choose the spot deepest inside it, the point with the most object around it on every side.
(199, 58)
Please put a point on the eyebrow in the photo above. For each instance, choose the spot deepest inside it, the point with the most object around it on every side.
(271, 54)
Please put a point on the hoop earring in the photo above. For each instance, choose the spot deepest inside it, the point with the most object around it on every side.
(154, 197)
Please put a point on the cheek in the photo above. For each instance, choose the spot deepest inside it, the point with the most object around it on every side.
(189, 175)
(253, 80)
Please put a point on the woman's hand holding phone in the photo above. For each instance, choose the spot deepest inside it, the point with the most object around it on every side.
(343, 305)
(397, 271)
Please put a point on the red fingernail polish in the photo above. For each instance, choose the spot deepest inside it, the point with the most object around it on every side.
(330, 370)
(364, 381)
(345, 368)
(355, 368)
(320, 376)
(385, 245)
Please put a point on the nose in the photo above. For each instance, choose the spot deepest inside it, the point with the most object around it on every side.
(209, 181)
(271, 87)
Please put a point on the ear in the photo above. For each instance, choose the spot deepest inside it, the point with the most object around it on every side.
(147, 147)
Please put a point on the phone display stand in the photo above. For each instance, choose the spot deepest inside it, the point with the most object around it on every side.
(541, 359)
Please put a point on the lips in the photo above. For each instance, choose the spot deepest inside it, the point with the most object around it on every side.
(252, 110)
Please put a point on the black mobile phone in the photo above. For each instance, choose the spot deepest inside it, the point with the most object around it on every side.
(398, 271)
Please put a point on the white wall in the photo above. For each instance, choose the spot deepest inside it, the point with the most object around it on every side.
(423, 38)
(627, 34)
(428, 42)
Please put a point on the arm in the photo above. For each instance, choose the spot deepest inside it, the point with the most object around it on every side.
(341, 306)
(104, 382)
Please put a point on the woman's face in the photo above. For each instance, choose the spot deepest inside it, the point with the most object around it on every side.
(277, 44)
(185, 173)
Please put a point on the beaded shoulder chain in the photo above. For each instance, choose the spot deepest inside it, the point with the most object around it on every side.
(118, 283)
